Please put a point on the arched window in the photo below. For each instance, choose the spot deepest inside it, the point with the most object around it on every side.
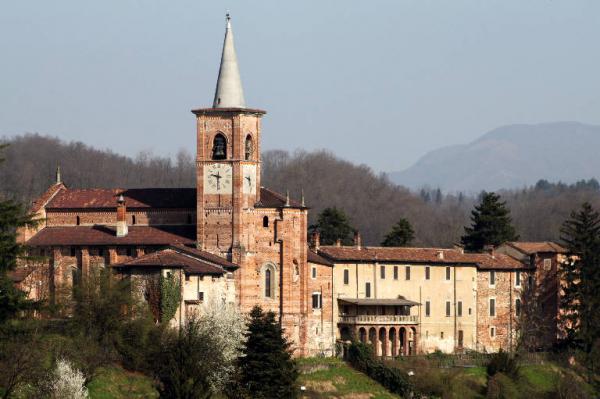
(78, 221)
(219, 150)
(269, 280)
(133, 219)
(266, 221)
(518, 307)
(249, 148)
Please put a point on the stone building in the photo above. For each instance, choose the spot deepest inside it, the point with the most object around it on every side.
(259, 234)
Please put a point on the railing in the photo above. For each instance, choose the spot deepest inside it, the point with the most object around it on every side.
(379, 319)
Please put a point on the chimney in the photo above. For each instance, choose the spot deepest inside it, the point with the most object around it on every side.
(357, 240)
(459, 248)
(489, 249)
(121, 217)
(440, 255)
(315, 240)
(338, 242)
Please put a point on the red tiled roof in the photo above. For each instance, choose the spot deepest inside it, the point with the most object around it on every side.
(179, 198)
(172, 258)
(105, 235)
(419, 255)
(134, 198)
(313, 257)
(205, 255)
(272, 199)
(47, 196)
(19, 274)
(531, 248)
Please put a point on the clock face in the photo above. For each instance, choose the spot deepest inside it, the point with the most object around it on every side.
(217, 178)
(249, 172)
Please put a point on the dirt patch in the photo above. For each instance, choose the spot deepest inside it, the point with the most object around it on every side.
(339, 380)
(321, 386)
(357, 396)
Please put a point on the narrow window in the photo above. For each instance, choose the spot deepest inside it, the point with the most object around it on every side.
(395, 272)
(133, 221)
(346, 276)
(530, 281)
(427, 309)
(249, 148)
(78, 221)
(469, 311)
(518, 307)
(492, 332)
(492, 307)
(447, 273)
(316, 300)
(268, 283)
(427, 272)
(459, 308)
(442, 335)
(547, 264)
(447, 308)
(73, 253)
(200, 296)
(314, 272)
(517, 278)
(266, 221)
(219, 147)
(492, 277)
(460, 338)
(408, 272)
(187, 277)
(382, 272)
(368, 290)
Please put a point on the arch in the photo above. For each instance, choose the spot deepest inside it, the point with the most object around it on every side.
(269, 280)
(392, 340)
(266, 221)
(413, 342)
(362, 334)
(248, 147)
(383, 344)
(373, 337)
(345, 333)
(219, 149)
(403, 335)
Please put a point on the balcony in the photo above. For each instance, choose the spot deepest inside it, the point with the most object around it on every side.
(379, 319)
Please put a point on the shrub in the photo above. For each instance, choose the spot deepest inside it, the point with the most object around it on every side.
(67, 382)
(500, 386)
(503, 362)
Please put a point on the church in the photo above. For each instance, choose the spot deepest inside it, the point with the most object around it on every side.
(229, 240)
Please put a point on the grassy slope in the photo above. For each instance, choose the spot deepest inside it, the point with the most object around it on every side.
(116, 383)
(332, 378)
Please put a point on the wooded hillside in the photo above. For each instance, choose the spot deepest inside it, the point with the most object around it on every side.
(372, 202)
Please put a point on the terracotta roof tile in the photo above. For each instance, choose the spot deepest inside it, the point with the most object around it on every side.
(205, 255)
(134, 198)
(313, 257)
(105, 235)
(172, 258)
(419, 255)
(272, 199)
(530, 248)
(19, 274)
(47, 196)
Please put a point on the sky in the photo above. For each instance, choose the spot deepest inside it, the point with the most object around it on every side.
(375, 82)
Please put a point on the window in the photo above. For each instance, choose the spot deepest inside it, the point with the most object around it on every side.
(442, 335)
(547, 264)
(200, 296)
(78, 221)
(427, 272)
(313, 272)
(346, 276)
(382, 272)
(129, 251)
(517, 278)
(530, 281)
(317, 302)
(249, 148)
(448, 273)
(368, 290)
(408, 272)
(73, 253)
(427, 309)
(518, 307)
(187, 277)
(469, 311)
(133, 221)
(459, 308)
(219, 150)
(268, 282)
(447, 308)
(266, 221)
(492, 307)
(395, 272)
(492, 278)
(492, 332)
(460, 338)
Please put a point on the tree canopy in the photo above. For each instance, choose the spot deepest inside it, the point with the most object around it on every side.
(401, 235)
(333, 225)
(491, 224)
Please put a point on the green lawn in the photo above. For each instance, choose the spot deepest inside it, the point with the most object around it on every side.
(116, 383)
(332, 378)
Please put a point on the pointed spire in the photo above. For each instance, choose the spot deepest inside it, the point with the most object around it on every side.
(58, 177)
(287, 198)
(229, 92)
(302, 199)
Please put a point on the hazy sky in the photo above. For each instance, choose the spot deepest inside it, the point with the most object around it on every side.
(376, 82)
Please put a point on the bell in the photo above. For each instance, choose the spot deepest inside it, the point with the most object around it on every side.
(219, 152)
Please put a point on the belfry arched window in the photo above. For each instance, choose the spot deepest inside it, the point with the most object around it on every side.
(269, 280)
(249, 148)
(219, 150)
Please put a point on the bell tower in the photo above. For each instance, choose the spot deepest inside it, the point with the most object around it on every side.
(227, 158)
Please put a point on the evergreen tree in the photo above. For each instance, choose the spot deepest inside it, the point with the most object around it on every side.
(490, 224)
(401, 235)
(266, 367)
(581, 278)
(333, 224)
